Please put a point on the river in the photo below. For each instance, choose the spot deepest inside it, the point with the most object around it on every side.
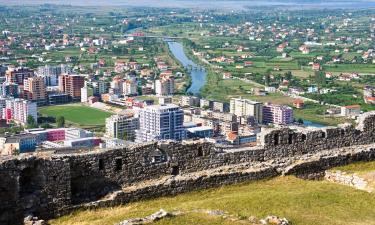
(197, 73)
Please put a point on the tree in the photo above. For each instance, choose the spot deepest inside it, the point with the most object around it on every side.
(31, 122)
(60, 121)
(46, 126)
(267, 79)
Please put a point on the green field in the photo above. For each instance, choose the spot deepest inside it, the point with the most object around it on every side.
(77, 114)
(300, 201)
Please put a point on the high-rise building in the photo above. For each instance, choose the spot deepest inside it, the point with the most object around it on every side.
(71, 85)
(18, 110)
(165, 85)
(18, 75)
(51, 74)
(277, 114)
(160, 122)
(122, 127)
(35, 89)
(86, 92)
(245, 108)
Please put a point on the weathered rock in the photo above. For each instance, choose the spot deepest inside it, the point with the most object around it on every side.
(274, 220)
(148, 219)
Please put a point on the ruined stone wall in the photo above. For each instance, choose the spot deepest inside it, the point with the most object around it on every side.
(47, 186)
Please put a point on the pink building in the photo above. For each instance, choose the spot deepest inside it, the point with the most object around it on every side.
(56, 135)
(277, 114)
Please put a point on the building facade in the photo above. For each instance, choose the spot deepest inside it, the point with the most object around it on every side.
(277, 114)
(18, 110)
(122, 127)
(245, 108)
(35, 90)
(161, 122)
(71, 85)
(18, 75)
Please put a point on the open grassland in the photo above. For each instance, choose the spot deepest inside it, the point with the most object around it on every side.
(77, 114)
(300, 201)
(359, 167)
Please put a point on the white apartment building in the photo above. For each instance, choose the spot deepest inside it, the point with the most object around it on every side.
(51, 73)
(130, 87)
(121, 127)
(161, 122)
(165, 86)
(18, 110)
(244, 107)
(86, 92)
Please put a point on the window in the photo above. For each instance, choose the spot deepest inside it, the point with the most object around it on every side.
(118, 164)
(175, 170)
(200, 151)
(276, 139)
(101, 164)
(290, 139)
(304, 137)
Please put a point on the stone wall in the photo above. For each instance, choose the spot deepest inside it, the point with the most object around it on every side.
(47, 185)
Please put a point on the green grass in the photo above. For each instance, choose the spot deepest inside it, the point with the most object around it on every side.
(301, 202)
(358, 167)
(77, 114)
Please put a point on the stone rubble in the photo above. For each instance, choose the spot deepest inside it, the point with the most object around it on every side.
(352, 180)
(269, 220)
(148, 219)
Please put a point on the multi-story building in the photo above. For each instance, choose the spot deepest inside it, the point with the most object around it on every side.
(71, 85)
(18, 75)
(160, 122)
(35, 90)
(165, 85)
(76, 133)
(204, 103)
(21, 143)
(277, 114)
(3, 69)
(189, 101)
(51, 74)
(18, 110)
(117, 85)
(351, 110)
(10, 89)
(130, 87)
(86, 92)
(99, 87)
(245, 108)
(122, 127)
(59, 98)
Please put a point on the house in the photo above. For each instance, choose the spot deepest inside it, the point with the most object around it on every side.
(329, 75)
(281, 47)
(370, 100)
(351, 110)
(304, 49)
(298, 103)
(270, 89)
(241, 139)
(316, 66)
(248, 63)
(227, 75)
(312, 89)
